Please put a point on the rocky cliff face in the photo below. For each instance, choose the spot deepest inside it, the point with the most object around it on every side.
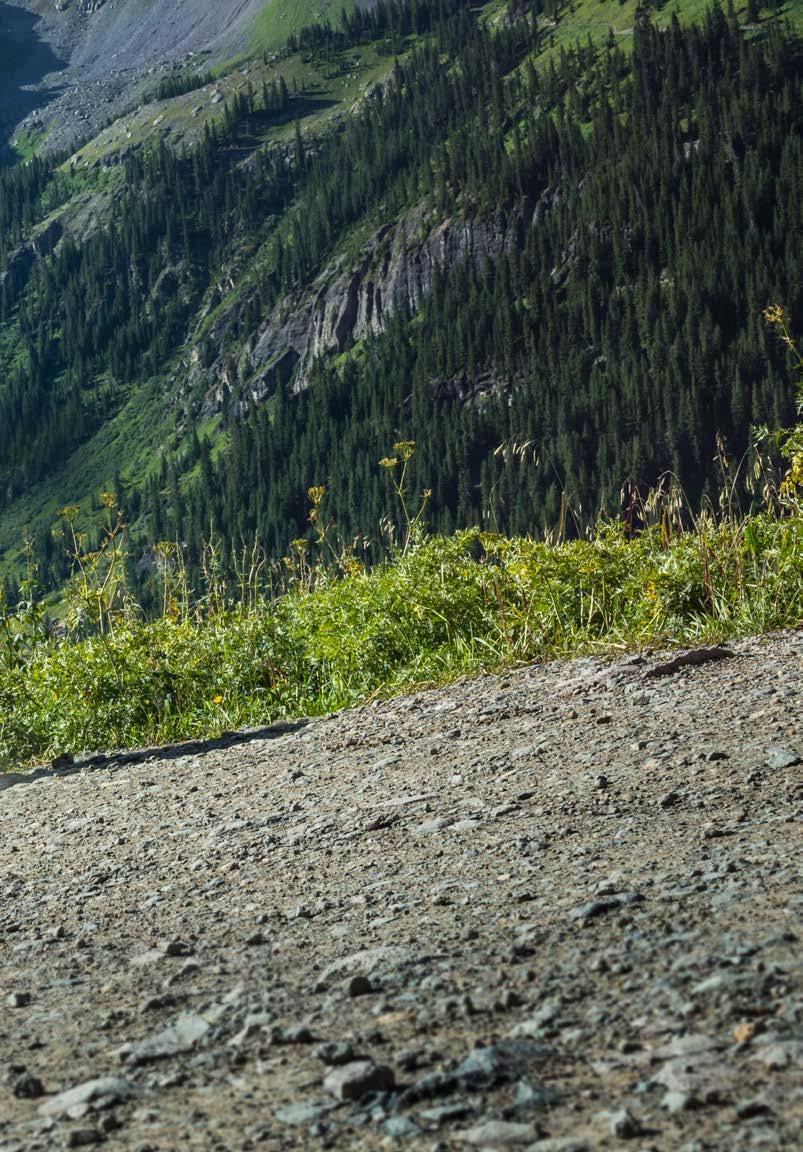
(85, 6)
(349, 299)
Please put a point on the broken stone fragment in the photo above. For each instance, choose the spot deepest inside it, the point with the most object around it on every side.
(499, 1134)
(93, 1095)
(357, 1079)
(171, 1041)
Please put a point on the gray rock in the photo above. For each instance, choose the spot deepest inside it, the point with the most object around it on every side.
(355, 300)
(176, 948)
(431, 827)
(444, 1113)
(367, 962)
(534, 1025)
(295, 1034)
(252, 1026)
(467, 825)
(780, 758)
(305, 1114)
(677, 996)
(334, 1053)
(594, 908)
(559, 1144)
(93, 1095)
(533, 1097)
(781, 1054)
(431, 1086)
(359, 1078)
(409, 1059)
(500, 1063)
(499, 1134)
(28, 1087)
(676, 1101)
(188, 968)
(177, 1038)
(401, 1128)
(143, 959)
(703, 1077)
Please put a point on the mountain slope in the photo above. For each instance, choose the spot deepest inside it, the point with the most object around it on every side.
(565, 252)
(93, 58)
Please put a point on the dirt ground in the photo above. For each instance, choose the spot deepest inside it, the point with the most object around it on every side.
(557, 909)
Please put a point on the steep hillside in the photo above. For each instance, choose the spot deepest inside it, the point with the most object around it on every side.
(25, 61)
(546, 264)
(93, 58)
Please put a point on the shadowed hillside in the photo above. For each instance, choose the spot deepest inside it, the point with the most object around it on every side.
(25, 61)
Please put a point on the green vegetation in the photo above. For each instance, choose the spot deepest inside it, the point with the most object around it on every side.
(178, 83)
(610, 341)
(120, 424)
(616, 214)
(277, 20)
(26, 145)
(613, 339)
(337, 634)
(321, 631)
(595, 19)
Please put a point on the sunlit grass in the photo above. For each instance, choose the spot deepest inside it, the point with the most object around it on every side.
(337, 635)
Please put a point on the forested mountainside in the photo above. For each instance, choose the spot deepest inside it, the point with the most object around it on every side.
(542, 258)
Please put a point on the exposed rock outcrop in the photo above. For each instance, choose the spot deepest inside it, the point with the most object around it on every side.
(46, 241)
(398, 268)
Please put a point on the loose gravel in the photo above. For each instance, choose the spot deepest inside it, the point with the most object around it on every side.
(555, 910)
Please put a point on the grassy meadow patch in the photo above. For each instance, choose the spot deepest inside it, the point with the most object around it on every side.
(338, 634)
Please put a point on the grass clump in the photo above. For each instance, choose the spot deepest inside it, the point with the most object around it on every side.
(446, 607)
(321, 632)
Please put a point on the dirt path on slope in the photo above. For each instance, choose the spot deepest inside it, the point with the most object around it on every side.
(557, 909)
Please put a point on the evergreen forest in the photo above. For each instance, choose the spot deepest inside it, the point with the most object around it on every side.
(632, 206)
